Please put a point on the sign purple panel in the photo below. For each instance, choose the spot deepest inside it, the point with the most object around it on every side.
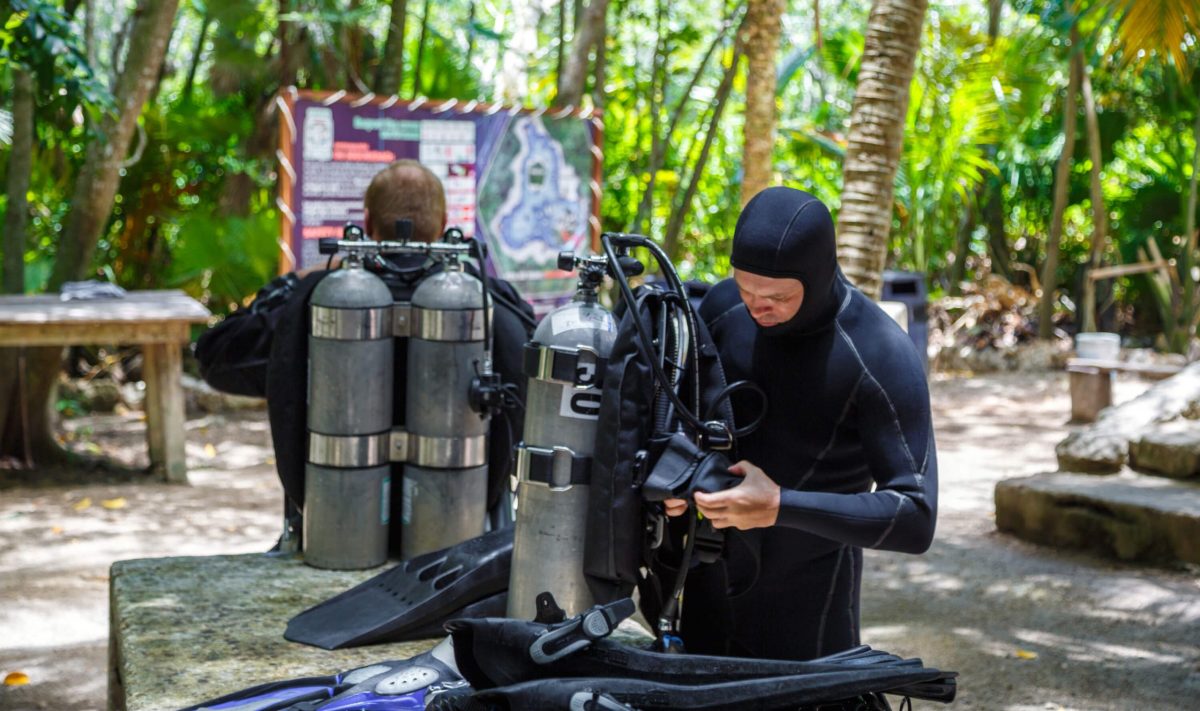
(525, 182)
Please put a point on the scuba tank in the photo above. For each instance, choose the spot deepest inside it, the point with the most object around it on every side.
(445, 475)
(451, 394)
(347, 476)
(565, 364)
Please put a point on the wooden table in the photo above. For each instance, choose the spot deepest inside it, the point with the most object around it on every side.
(158, 321)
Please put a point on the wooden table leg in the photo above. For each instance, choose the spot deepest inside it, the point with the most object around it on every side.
(1091, 392)
(163, 369)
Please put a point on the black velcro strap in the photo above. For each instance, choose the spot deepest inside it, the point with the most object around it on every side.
(540, 465)
(580, 368)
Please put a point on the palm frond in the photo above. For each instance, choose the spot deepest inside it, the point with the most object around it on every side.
(1154, 27)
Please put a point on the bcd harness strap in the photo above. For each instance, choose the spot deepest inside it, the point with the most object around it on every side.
(579, 367)
(541, 464)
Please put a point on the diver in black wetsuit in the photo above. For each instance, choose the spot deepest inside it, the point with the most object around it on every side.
(844, 459)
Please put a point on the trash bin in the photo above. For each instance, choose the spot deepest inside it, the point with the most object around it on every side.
(909, 289)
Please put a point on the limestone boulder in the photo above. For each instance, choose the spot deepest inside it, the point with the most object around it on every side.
(1102, 447)
(1170, 450)
(1129, 516)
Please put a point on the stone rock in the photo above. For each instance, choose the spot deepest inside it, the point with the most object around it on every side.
(201, 398)
(1102, 446)
(1031, 356)
(1129, 516)
(1172, 450)
(1095, 454)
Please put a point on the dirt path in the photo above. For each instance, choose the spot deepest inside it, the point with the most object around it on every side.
(1105, 636)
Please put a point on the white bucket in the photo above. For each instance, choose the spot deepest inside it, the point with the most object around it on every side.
(1098, 346)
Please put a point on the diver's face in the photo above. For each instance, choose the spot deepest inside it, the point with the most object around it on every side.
(771, 301)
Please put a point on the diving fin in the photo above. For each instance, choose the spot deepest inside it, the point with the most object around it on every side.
(848, 689)
(499, 652)
(403, 685)
(413, 599)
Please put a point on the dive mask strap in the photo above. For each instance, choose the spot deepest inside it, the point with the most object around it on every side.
(580, 631)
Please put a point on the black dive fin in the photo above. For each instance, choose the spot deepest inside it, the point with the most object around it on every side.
(498, 652)
(855, 688)
(413, 599)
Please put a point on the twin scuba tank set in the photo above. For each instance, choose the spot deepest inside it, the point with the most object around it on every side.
(450, 396)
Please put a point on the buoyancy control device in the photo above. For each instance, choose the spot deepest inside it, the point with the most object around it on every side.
(665, 428)
(564, 363)
(452, 390)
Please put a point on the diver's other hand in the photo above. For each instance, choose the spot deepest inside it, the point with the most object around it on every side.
(675, 507)
(754, 503)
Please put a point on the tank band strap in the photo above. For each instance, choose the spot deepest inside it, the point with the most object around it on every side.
(348, 451)
(557, 467)
(438, 452)
(351, 324)
(579, 367)
(446, 324)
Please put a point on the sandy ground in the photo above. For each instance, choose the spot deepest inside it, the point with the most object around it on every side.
(1027, 627)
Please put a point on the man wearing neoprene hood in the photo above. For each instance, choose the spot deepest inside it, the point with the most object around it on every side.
(843, 460)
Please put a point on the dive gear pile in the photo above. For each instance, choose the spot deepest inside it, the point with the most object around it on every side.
(451, 395)
(556, 662)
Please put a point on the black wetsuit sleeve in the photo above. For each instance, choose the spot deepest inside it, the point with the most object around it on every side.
(891, 409)
(234, 354)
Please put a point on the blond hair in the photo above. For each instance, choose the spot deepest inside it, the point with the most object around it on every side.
(405, 190)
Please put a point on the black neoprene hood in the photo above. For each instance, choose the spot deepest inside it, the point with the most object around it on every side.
(788, 233)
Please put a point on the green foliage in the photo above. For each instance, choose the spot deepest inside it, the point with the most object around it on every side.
(196, 202)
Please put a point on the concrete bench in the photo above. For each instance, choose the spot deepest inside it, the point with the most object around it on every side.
(185, 630)
(158, 321)
(1091, 383)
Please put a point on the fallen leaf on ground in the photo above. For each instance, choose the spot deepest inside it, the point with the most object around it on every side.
(210, 451)
(16, 679)
(84, 503)
(117, 503)
(1026, 654)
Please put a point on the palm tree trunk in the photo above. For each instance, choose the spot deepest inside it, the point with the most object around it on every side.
(763, 25)
(876, 138)
(1099, 214)
(590, 34)
(420, 50)
(1062, 177)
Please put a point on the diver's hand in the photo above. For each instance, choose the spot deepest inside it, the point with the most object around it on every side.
(675, 507)
(754, 503)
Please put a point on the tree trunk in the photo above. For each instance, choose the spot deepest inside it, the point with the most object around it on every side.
(760, 38)
(1062, 177)
(600, 66)
(590, 34)
(561, 51)
(91, 204)
(391, 65)
(20, 168)
(876, 138)
(658, 151)
(420, 50)
(671, 238)
(962, 248)
(1099, 214)
(190, 82)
